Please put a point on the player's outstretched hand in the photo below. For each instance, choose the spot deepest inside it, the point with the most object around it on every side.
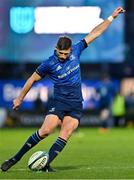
(118, 11)
(16, 103)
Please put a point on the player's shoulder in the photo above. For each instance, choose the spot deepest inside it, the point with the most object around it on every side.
(52, 60)
(49, 61)
(75, 44)
(45, 62)
(80, 43)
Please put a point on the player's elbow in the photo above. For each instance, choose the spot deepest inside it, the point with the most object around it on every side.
(34, 78)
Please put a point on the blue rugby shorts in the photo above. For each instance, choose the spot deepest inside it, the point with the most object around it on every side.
(62, 109)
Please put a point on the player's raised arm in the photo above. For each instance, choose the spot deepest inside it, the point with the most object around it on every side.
(33, 78)
(98, 30)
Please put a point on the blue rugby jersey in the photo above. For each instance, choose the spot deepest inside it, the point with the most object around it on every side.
(66, 75)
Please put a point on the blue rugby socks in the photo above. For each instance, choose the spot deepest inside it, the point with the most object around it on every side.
(31, 142)
(34, 139)
(56, 148)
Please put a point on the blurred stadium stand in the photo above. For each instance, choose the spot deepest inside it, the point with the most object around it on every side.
(90, 71)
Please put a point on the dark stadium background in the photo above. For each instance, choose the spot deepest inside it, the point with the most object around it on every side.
(17, 64)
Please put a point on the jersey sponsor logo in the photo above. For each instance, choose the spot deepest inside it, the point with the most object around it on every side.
(68, 72)
(58, 68)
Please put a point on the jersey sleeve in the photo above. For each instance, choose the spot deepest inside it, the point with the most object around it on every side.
(43, 69)
(80, 46)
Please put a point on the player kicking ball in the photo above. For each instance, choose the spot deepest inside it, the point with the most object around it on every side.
(63, 68)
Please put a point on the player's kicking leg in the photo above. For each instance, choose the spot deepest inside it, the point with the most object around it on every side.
(50, 123)
(68, 126)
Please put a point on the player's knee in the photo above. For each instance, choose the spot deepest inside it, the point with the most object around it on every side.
(44, 132)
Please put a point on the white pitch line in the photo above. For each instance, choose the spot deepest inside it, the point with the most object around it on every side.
(21, 169)
(124, 167)
(88, 168)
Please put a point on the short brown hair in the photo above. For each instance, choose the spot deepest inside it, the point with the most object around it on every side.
(64, 43)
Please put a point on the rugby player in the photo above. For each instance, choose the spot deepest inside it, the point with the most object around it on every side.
(63, 68)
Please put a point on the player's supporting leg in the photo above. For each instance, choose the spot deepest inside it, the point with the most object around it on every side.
(51, 121)
(68, 126)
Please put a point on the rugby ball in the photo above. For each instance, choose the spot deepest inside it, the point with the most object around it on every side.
(38, 160)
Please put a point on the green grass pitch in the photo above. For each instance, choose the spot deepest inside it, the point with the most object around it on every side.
(88, 155)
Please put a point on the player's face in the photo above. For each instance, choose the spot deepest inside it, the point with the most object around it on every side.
(63, 54)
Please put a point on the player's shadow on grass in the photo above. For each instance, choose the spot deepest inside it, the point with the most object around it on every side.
(67, 168)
